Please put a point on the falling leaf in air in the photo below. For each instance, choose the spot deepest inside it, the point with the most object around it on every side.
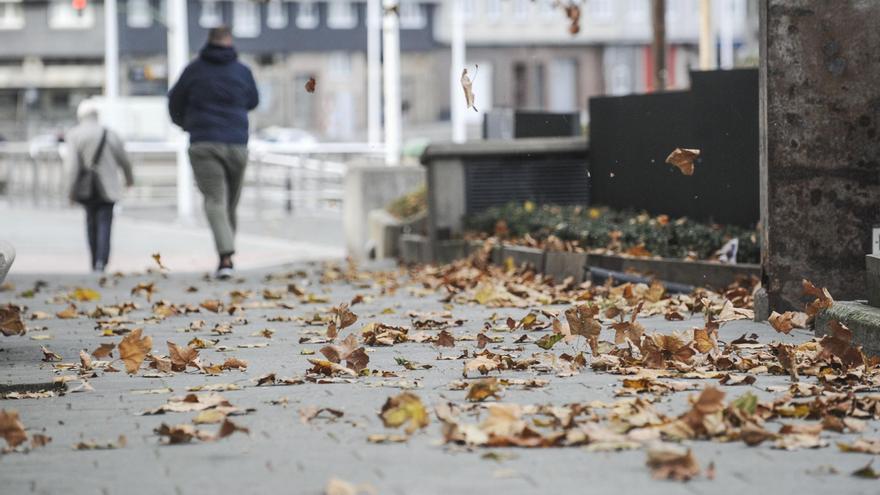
(12, 428)
(158, 259)
(683, 158)
(468, 86)
(404, 409)
(310, 85)
(786, 322)
(10, 321)
(133, 350)
(573, 12)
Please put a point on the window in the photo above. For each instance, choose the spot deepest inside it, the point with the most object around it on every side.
(493, 9)
(602, 10)
(62, 15)
(139, 14)
(341, 15)
(548, 8)
(638, 10)
(521, 9)
(276, 14)
(11, 15)
(210, 16)
(307, 15)
(245, 19)
(469, 9)
(412, 15)
(621, 80)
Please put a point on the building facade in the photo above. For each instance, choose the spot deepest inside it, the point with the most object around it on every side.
(51, 56)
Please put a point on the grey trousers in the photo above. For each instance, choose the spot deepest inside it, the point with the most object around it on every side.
(219, 172)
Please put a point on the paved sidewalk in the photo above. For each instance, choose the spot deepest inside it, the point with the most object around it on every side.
(53, 241)
(283, 455)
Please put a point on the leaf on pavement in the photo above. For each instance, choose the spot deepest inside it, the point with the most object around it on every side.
(10, 321)
(404, 409)
(133, 350)
(672, 462)
(181, 357)
(12, 428)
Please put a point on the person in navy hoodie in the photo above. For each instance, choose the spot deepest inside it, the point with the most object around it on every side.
(211, 101)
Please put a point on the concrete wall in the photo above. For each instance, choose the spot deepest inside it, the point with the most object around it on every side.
(368, 187)
(820, 109)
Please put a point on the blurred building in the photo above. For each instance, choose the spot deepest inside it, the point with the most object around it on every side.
(51, 56)
(528, 58)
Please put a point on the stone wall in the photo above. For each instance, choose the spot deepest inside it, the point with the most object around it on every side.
(820, 112)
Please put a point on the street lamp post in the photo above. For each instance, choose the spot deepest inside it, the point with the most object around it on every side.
(391, 66)
(374, 71)
(458, 47)
(178, 56)
(111, 51)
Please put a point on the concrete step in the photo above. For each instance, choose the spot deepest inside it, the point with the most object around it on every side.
(861, 318)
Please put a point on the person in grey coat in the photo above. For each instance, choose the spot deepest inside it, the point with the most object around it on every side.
(91, 145)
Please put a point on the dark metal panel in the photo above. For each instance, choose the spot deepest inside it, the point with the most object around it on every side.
(631, 136)
(549, 179)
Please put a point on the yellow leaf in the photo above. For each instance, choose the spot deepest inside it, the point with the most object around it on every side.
(405, 408)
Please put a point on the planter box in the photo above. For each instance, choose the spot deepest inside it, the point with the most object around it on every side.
(562, 264)
(696, 273)
(531, 257)
(872, 266)
(413, 248)
(449, 251)
(477, 246)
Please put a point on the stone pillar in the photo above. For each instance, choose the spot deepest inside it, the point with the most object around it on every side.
(820, 117)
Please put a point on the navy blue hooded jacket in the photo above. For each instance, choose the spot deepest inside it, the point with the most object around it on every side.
(212, 98)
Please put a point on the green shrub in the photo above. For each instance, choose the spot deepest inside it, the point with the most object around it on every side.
(597, 228)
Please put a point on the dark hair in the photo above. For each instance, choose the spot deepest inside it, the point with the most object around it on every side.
(219, 34)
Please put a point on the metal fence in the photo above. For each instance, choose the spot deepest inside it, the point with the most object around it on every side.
(280, 178)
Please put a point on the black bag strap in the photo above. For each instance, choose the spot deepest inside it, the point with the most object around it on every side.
(100, 149)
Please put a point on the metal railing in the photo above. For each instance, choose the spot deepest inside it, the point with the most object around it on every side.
(281, 178)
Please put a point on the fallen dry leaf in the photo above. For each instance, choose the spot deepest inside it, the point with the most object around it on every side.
(404, 409)
(12, 428)
(673, 462)
(10, 321)
(133, 350)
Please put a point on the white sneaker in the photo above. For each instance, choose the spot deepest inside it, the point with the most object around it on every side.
(224, 273)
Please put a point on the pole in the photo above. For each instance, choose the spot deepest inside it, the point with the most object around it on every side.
(391, 64)
(178, 56)
(726, 33)
(456, 96)
(707, 40)
(111, 51)
(374, 71)
(658, 47)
